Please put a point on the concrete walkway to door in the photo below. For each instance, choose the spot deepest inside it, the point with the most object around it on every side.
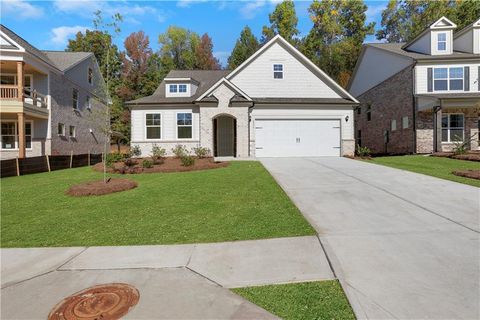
(404, 245)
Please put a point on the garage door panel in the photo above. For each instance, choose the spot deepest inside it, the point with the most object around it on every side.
(302, 138)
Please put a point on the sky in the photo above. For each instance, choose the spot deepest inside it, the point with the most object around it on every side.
(49, 24)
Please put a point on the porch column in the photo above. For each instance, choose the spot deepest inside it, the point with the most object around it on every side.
(21, 134)
(20, 65)
(438, 130)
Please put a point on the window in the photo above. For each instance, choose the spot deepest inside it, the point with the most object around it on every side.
(153, 125)
(88, 104)
(75, 99)
(10, 135)
(173, 88)
(359, 137)
(359, 110)
(28, 135)
(184, 125)
(278, 71)
(61, 129)
(182, 88)
(448, 79)
(442, 41)
(90, 75)
(405, 122)
(369, 113)
(394, 125)
(452, 127)
(72, 131)
(11, 79)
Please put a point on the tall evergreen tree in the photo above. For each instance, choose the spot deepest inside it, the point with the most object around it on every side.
(204, 55)
(245, 46)
(283, 21)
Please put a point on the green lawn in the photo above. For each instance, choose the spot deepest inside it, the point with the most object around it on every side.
(239, 202)
(432, 166)
(307, 300)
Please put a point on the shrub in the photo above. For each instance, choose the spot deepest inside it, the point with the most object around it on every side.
(363, 151)
(158, 154)
(201, 152)
(130, 162)
(187, 160)
(180, 151)
(147, 163)
(113, 157)
(135, 151)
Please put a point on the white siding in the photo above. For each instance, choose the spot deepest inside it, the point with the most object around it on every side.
(298, 81)
(476, 40)
(423, 44)
(422, 77)
(369, 74)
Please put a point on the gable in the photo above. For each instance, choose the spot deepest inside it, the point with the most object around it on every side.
(443, 23)
(7, 43)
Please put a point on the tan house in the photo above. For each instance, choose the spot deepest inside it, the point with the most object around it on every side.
(51, 103)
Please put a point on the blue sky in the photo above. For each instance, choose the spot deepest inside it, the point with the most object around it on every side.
(48, 24)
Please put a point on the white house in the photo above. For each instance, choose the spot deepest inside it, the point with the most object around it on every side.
(276, 104)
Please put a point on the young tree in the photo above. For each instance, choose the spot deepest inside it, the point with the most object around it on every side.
(283, 21)
(245, 46)
(204, 55)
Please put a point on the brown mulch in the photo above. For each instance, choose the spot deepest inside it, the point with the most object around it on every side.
(359, 158)
(97, 188)
(474, 174)
(470, 156)
(169, 164)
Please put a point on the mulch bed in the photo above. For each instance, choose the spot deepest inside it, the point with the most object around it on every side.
(359, 158)
(474, 174)
(470, 156)
(97, 188)
(169, 164)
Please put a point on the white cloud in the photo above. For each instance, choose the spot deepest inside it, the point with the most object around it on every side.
(187, 3)
(82, 7)
(222, 56)
(60, 35)
(249, 10)
(374, 12)
(21, 9)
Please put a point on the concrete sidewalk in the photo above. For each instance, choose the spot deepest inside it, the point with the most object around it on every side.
(175, 281)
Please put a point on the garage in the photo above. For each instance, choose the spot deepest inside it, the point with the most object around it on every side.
(297, 137)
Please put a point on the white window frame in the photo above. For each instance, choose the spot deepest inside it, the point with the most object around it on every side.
(16, 135)
(75, 105)
(90, 78)
(177, 125)
(63, 129)
(282, 72)
(405, 122)
(441, 41)
(182, 85)
(449, 128)
(148, 126)
(393, 125)
(170, 86)
(74, 135)
(448, 78)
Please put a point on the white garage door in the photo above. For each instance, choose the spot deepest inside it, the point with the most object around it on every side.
(297, 138)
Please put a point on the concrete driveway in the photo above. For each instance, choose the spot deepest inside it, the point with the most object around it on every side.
(404, 245)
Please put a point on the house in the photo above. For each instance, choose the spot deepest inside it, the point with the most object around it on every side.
(51, 103)
(276, 104)
(422, 96)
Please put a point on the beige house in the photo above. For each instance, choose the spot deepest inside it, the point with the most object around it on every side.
(51, 103)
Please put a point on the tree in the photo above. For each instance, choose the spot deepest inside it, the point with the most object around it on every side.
(204, 55)
(335, 40)
(245, 46)
(283, 21)
(467, 12)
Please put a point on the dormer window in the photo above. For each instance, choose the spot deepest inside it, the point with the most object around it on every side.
(278, 71)
(442, 41)
(173, 88)
(182, 88)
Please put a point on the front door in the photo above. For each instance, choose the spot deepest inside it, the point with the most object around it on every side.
(225, 136)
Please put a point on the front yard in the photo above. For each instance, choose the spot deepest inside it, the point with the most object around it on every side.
(239, 202)
(432, 166)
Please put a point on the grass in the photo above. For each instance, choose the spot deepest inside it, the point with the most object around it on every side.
(239, 202)
(307, 300)
(432, 166)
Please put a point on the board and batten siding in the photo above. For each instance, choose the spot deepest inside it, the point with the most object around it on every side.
(256, 79)
(421, 75)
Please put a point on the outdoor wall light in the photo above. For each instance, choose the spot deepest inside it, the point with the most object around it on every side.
(346, 119)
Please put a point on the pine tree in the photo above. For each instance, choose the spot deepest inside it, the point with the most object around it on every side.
(283, 21)
(245, 46)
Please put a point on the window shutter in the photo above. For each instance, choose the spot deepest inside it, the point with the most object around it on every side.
(466, 78)
(430, 79)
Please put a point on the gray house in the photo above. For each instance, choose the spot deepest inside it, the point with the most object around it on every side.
(51, 103)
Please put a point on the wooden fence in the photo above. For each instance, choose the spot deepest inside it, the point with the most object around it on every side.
(17, 167)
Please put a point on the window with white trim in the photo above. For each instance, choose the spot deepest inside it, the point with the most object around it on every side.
(452, 127)
(394, 125)
(182, 88)
(173, 88)
(61, 129)
(278, 71)
(75, 98)
(445, 79)
(405, 122)
(72, 131)
(184, 125)
(10, 135)
(442, 41)
(153, 125)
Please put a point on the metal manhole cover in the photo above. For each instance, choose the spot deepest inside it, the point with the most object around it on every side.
(103, 302)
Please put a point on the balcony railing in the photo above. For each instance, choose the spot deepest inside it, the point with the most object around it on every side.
(10, 92)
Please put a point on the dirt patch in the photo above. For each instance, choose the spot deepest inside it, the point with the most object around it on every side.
(97, 188)
(169, 165)
(469, 156)
(474, 174)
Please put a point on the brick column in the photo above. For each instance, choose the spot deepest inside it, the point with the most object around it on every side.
(21, 134)
(20, 65)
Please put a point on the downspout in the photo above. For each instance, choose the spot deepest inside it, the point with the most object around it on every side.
(249, 127)
(414, 106)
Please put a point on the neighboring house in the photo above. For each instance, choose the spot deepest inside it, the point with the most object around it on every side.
(51, 103)
(277, 103)
(421, 96)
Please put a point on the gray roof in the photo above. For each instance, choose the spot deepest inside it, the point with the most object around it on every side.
(397, 49)
(456, 95)
(205, 79)
(304, 100)
(64, 60)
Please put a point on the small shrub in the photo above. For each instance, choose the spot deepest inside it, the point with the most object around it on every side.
(129, 162)
(180, 151)
(158, 154)
(113, 157)
(135, 151)
(201, 152)
(187, 160)
(363, 151)
(147, 163)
